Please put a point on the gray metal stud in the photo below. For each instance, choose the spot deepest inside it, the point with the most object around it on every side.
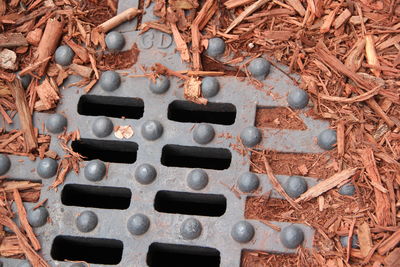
(115, 41)
(5, 164)
(145, 174)
(347, 189)
(191, 229)
(248, 182)
(216, 47)
(259, 68)
(138, 224)
(64, 55)
(160, 86)
(203, 133)
(209, 87)
(242, 232)
(197, 179)
(295, 186)
(327, 139)
(38, 217)
(250, 136)
(291, 236)
(298, 99)
(102, 127)
(152, 130)
(95, 170)
(86, 221)
(47, 168)
(110, 81)
(56, 123)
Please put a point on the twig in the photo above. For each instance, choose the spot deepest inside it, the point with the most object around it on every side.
(245, 13)
(277, 186)
(24, 114)
(126, 15)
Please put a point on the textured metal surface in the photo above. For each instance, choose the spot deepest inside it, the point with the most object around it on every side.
(141, 186)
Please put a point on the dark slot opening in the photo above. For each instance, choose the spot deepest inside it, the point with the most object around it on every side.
(111, 106)
(102, 197)
(196, 157)
(105, 150)
(90, 250)
(190, 203)
(165, 255)
(218, 113)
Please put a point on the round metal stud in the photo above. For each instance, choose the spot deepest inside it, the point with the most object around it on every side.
(250, 136)
(203, 133)
(248, 182)
(327, 139)
(115, 41)
(191, 229)
(110, 80)
(298, 99)
(259, 68)
(152, 130)
(95, 170)
(64, 55)
(216, 47)
(38, 217)
(242, 232)
(354, 241)
(102, 127)
(295, 186)
(5, 164)
(291, 236)
(86, 221)
(209, 87)
(56, 123)
(197, 179)
(138, 224)
(47, 168)
(25, 80)
(160, 86)
(347, 189)
(145, 174)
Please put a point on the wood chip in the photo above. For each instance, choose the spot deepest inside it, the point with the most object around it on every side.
(248, 11)
(24, 220)
(296, 4)
(24, 114)
(325, 185)
(371, 55)
(10, 40)
(342, 18)
(389, 243)
(382, 207)
(365, 239)
(115, 21)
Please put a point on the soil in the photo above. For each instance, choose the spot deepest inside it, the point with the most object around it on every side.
(280, 118)
(311, 165)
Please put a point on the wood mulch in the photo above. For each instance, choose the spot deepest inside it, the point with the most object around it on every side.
(347, 54)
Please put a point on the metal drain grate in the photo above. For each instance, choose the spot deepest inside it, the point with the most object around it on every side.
(166, 199)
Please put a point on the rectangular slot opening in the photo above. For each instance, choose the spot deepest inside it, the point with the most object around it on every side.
(196, 157)
(211, 205)
(161, 255)
(90, 250)
(217, 113)
(111, 106)
(106, 150)
(102, 197)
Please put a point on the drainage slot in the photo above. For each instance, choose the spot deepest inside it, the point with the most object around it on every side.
(102, 197)
(111, 106)
(196, 157)
(160, 255)
(190, 203)
(105, 150)
(90, 250)
(218, 113)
